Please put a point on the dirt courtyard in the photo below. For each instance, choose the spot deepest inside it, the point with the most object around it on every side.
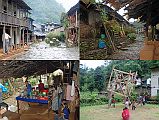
(101, 112)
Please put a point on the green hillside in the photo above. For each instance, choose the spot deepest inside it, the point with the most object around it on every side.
(45, 10)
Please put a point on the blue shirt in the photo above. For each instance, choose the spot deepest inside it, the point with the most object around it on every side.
(66, 112)
(29, 88)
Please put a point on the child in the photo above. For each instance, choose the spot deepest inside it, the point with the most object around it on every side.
(125, 114)
(113, 101)
(66, 112)
(133, 105)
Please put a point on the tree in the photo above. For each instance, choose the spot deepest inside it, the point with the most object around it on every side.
(91, 87)
(64, 20)
(99, 78)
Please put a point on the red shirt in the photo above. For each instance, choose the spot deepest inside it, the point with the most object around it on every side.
(41, 86)
(126, 114)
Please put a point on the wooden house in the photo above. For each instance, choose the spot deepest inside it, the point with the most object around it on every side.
(48, 27)
(15, 21)
(90, 18)
(143, 86)
(92, 26)
(72, 38)
(154, 81)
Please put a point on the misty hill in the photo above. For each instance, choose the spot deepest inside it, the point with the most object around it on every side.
(45, 10)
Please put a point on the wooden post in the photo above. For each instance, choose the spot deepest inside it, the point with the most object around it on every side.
(7, 6)
(18, 105)
(76, 18)
(18, 12)
(12, 9)
(16, 33)
(23, 37)
(0, 6)
(11, 35)
(3, 38)
(148, 17)
(27, 37)
(153, 32)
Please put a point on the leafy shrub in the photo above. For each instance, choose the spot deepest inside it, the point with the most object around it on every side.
(115, 25)
(129, 30)
(62, 37)
(157, 98)
(153, 100)
(133, 96)
(88, 99)
(118, 98)
(59, 36)
(132, 36)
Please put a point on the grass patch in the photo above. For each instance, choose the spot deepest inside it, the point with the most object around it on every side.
(101, 112)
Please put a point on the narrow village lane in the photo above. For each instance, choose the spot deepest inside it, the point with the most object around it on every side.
(43, 51)
(131, 52)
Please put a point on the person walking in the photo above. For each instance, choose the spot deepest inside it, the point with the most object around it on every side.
(6, 43)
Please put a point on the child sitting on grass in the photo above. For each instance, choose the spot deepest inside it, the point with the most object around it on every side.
(125, 114)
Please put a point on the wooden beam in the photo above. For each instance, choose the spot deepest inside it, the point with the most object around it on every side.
(0, 6)
(3, 38)
(124, 72)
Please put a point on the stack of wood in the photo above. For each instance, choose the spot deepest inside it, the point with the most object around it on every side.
(85, 30)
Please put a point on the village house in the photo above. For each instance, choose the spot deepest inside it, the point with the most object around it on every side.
(72, 37)
(90, 18)
(38, 32)
(15, 21)
(48, 27)
(59, 29)
(143, 86)
(154, 81)
(98, 20)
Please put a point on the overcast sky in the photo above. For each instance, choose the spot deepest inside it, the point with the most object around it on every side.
(92, 63)
(67, 4)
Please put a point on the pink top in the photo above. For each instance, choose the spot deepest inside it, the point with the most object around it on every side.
(126, 114)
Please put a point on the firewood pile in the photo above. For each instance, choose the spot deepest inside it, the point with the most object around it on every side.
(85, 31)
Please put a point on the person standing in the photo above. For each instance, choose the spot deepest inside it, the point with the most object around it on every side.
(125, 114)
(113, 101)
(133, 105)
(6, 43)
(28, 88)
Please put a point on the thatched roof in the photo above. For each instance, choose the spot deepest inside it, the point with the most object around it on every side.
(18, 69)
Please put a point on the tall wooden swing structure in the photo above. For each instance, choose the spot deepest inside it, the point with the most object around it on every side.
(121, 83)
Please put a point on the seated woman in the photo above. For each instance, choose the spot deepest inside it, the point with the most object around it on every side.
(41, 86)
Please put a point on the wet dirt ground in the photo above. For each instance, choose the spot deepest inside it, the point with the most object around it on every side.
(131, 52)
(43, 51)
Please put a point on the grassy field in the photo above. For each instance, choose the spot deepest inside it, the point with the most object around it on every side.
(101, 112)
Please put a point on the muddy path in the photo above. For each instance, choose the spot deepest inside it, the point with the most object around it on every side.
(131, 52)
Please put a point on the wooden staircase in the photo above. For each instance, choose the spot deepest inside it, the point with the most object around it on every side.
(116, 35)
